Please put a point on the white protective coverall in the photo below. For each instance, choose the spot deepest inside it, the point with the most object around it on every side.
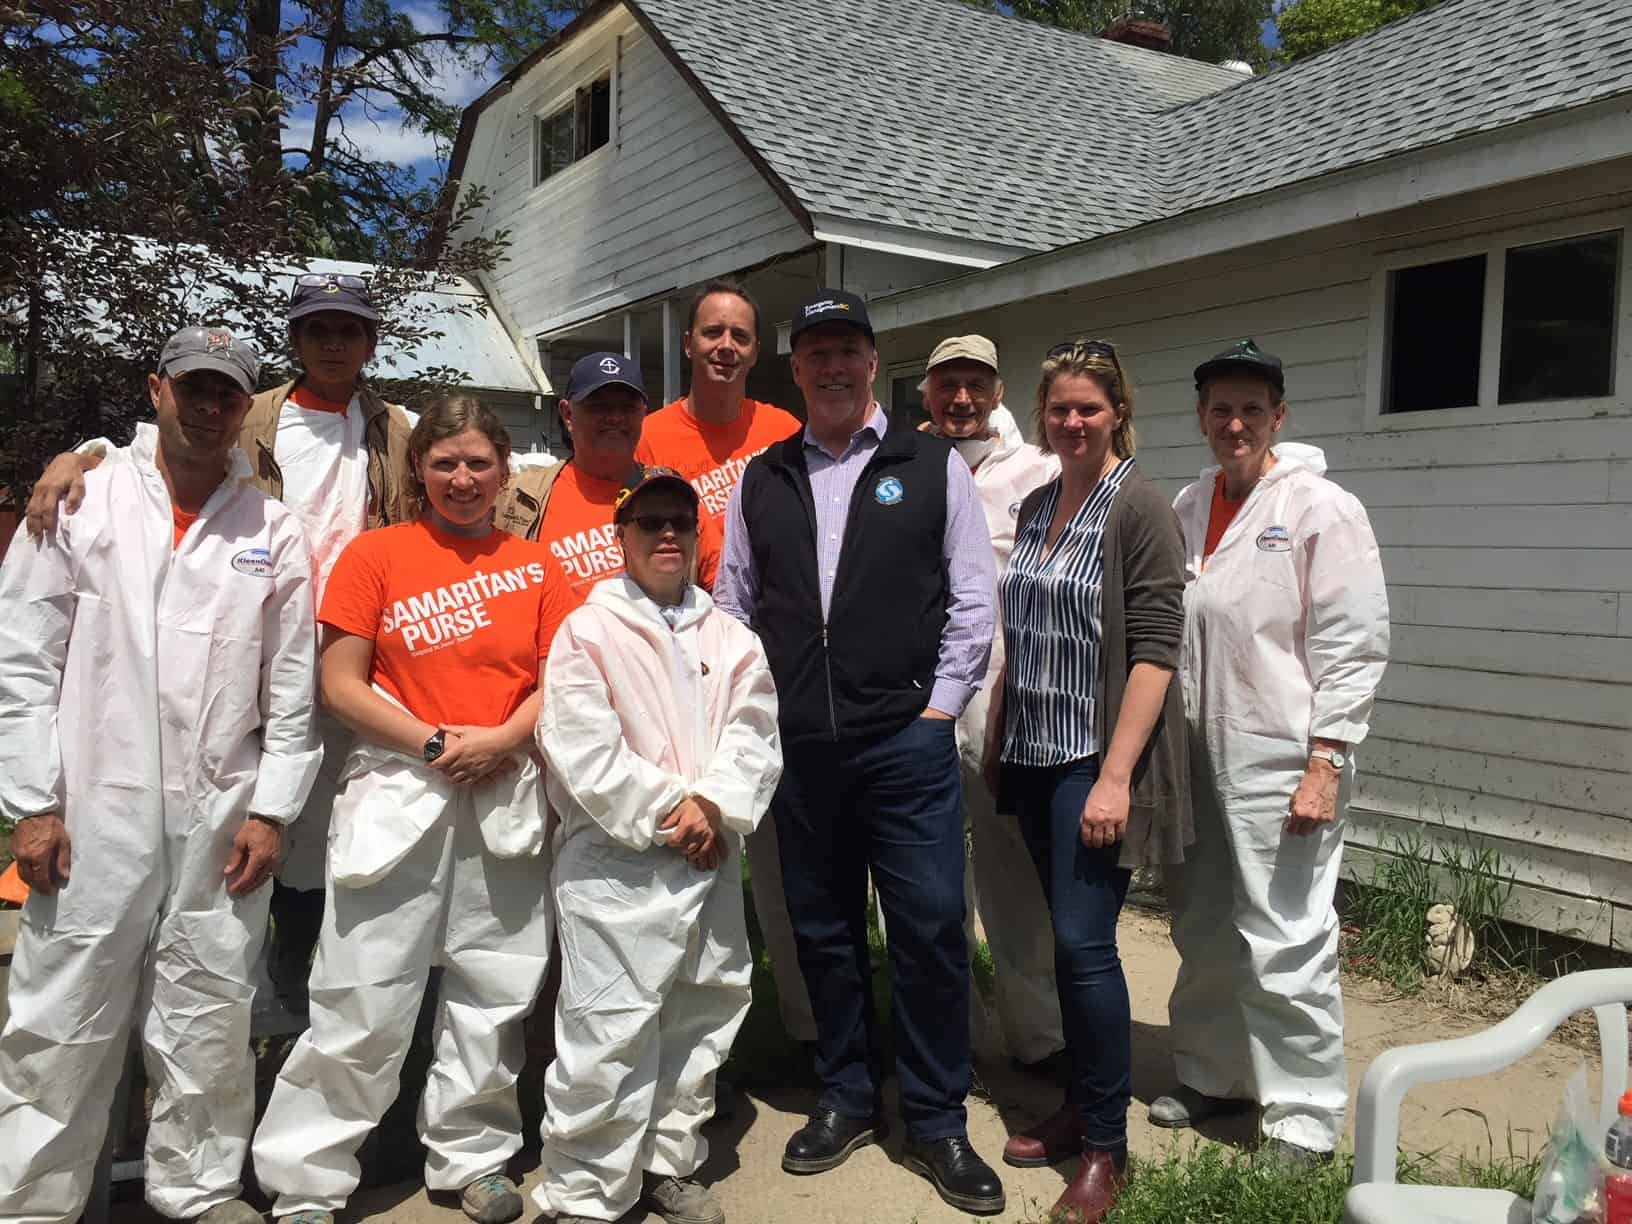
(422, 871)
(156, 695)
(1285, 639)
(1001, 880)
(654, 952)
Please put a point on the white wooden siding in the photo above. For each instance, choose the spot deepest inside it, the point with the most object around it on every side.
(669, 201)
(1506, 713)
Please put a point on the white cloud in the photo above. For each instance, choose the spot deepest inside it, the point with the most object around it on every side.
(385, 138)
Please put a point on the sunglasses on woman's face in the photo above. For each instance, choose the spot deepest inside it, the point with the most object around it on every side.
(1089, 348)
(653, 524)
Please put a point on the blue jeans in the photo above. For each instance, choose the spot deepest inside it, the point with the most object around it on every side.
(1085, 889)
(892, 808)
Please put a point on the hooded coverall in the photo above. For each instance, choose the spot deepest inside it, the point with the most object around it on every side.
(1000, 879)
(156, 695)
(1285, 640)
(655, 965)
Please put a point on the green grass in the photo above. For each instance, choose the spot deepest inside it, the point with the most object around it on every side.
(1386, 914)
(1208, 1184)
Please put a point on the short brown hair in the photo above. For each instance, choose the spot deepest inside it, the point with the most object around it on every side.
(723, 284)
(448, 417)
(1097, 360)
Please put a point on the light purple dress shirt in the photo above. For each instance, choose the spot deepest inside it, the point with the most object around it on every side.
(970, 570)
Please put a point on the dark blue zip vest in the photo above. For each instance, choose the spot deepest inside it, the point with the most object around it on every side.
(866, 672)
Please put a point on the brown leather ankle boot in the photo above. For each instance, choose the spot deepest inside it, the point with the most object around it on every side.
(1093, 1191)
(1055, 1138)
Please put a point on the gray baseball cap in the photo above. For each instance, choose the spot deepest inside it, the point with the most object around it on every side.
(211, 348)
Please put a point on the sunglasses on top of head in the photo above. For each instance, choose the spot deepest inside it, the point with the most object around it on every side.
(652, 524)
(1088, 348)
(319, 280)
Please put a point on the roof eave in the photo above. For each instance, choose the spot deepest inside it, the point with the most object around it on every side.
(473, 113)
(1601, 131)
(777, 183)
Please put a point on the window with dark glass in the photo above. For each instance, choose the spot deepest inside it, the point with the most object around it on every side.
(1436, 318)
(576, 130)
(907, 402)
(1558, 319)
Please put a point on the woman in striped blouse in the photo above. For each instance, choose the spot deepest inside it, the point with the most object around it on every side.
(1090, 734)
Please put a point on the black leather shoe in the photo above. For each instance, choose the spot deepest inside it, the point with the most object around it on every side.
(960, 1176)
(826, 1141)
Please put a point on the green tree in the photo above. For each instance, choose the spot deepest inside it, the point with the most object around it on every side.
(151, 183)
(1211, 30)
(1310, 26)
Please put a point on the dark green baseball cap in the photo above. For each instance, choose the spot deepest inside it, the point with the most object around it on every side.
(1244, 357)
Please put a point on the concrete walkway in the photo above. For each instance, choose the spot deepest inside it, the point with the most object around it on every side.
(874, 1188)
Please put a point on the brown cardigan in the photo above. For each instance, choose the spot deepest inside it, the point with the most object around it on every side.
(1142, 621)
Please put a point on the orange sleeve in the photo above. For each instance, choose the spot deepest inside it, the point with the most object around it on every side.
(643, 452)
(555, 602)
(355, 596)
(709, 535)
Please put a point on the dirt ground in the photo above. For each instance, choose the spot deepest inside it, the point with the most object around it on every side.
(1513, 1107)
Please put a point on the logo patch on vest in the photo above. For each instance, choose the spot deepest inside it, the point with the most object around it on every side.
(888, 491)
(1014, 510)
(256, 562)
(1274, 539)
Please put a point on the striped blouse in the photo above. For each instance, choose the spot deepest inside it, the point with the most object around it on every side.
(1051, 627)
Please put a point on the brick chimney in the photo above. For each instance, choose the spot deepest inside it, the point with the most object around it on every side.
(1139, 32)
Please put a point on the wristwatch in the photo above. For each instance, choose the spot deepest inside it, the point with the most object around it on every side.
(434, 745)
(1331, 756)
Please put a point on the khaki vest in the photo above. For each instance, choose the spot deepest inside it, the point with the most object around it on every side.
(385, 438)
(520, 508)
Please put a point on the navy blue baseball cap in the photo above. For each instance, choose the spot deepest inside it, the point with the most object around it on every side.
(830, 306)
(598, 370)
(340, 291)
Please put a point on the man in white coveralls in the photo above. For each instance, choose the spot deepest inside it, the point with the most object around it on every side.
(157, 659)
(963, 392)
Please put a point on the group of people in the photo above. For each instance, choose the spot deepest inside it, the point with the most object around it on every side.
(478, 712)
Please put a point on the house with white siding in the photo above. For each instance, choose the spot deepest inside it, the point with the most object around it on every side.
(1431, 225)
(654, 144)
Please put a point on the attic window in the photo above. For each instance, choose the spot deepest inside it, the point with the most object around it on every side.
(1514, 323)
(575, 130)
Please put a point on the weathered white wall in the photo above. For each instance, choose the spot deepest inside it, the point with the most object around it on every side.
(1507, 709)
(669, 201)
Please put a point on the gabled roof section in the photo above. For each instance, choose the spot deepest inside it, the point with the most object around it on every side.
(1457, 69)
(934, 116)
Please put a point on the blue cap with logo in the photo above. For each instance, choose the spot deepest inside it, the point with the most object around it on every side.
(598, 370)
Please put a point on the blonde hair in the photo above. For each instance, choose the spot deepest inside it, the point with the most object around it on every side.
(448, 417)
(1095, 359)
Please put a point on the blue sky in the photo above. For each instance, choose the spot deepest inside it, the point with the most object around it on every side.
(378, 127)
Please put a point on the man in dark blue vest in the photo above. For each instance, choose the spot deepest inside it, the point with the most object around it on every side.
(859, 553)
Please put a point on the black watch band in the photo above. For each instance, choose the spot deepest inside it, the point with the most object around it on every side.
(434, 745)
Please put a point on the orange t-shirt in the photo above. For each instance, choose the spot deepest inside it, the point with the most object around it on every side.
(712, 456)
(1219, 517)
(182, 521)
(577, 527)
(458, 624)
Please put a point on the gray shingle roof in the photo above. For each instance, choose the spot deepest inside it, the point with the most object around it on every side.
(935, 116)
(1462, 67)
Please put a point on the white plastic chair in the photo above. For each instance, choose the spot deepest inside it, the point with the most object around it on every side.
(1375, 1198)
